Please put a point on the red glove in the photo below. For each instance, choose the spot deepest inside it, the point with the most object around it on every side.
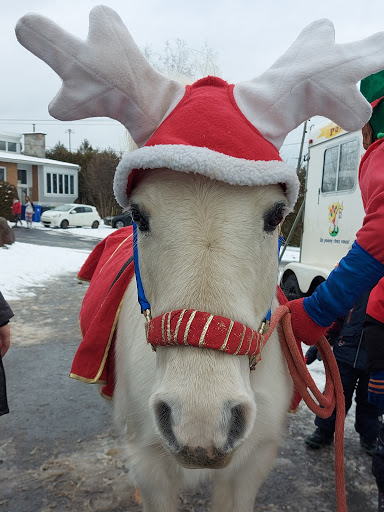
(304, 328)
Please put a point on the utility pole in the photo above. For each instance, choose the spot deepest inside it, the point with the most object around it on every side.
(301, 210)
(69, 131)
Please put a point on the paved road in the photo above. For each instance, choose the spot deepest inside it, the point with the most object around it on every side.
(54, 237)
(58, 451)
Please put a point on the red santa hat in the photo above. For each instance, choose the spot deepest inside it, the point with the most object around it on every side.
(208, 134)
(227, 132)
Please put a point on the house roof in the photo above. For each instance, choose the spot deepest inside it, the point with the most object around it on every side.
(6, 156)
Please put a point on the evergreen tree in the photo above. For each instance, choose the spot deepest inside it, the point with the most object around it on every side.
(7, 193)
(97, 170)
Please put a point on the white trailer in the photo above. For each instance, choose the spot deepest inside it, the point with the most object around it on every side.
(333, 209)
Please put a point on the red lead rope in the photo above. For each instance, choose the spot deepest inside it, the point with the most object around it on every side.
(332, 397)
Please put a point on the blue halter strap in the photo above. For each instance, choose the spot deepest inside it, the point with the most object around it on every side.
(144, 304)
(280, 241)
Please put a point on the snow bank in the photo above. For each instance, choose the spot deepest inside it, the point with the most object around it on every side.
(23, 266)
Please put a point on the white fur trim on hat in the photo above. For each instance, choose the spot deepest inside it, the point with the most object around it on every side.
(214, 165)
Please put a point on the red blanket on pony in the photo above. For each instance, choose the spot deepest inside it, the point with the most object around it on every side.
(109, 268)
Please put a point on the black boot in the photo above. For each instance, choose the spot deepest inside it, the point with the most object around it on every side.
(367, 445)
(319, 438)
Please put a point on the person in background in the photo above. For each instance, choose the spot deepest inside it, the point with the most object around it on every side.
(29, 211)
(360, 269)
(5, 339)
(16, 211)
(346, 335)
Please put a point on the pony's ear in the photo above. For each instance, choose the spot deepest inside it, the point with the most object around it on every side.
(315, 76)
(105, 75)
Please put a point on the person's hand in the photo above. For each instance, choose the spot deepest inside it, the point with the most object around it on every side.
(5, 339)
(376, 389)
(304, 328)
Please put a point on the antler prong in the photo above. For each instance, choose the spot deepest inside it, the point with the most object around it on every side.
(315, 76)
(105, 75)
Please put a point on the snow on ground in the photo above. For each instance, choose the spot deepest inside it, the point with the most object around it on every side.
(291, 254)
(101, 232)
(23, 266)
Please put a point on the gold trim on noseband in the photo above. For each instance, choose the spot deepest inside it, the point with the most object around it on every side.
(188, 326)
(162, 328)
(241, 341)
(178, 326)
(227, 336)
(169, 341)
(204, 332)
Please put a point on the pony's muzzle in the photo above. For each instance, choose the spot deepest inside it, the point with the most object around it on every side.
(211, 453)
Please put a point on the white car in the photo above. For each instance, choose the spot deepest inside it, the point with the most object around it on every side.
(74, 215)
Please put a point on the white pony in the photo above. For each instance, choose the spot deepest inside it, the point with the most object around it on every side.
(185, 407)
(207, 190)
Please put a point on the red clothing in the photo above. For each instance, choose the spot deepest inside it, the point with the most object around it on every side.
(375, 306)
(16, 208)
(369, 237)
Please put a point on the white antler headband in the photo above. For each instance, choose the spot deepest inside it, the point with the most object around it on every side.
(229, 133)
(107, 75)
(315, 76)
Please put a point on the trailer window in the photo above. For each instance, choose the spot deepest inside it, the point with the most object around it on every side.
(340, 167)
(331, 157)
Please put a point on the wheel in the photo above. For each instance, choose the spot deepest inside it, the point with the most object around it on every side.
(119, 224)
(64, 224)
(95, 224)
(291, 288)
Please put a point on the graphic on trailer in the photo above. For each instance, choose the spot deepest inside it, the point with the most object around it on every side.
(334, 214)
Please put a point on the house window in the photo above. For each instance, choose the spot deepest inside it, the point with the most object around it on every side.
(3, 145)
(63, 184)
(340, 167)
(12, 146)
(3, 173)
(49, 183)
(22, 176)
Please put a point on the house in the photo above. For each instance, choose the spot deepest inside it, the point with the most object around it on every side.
(46, 182)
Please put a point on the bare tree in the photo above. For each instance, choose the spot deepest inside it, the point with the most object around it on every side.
(179, 61)
(182, 63)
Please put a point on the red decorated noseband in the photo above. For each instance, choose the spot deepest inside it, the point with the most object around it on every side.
(201, 329)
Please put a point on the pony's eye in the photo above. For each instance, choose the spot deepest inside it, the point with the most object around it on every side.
(273, 217)
(139, 218)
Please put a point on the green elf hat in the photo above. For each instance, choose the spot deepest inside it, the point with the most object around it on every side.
(372, 88)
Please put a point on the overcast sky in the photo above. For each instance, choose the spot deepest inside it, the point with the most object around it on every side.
(248, 36)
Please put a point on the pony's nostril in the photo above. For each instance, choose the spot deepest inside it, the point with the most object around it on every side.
(163, 414)
(237, 426)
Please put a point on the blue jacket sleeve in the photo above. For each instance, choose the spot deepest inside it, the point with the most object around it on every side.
(356, 272)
